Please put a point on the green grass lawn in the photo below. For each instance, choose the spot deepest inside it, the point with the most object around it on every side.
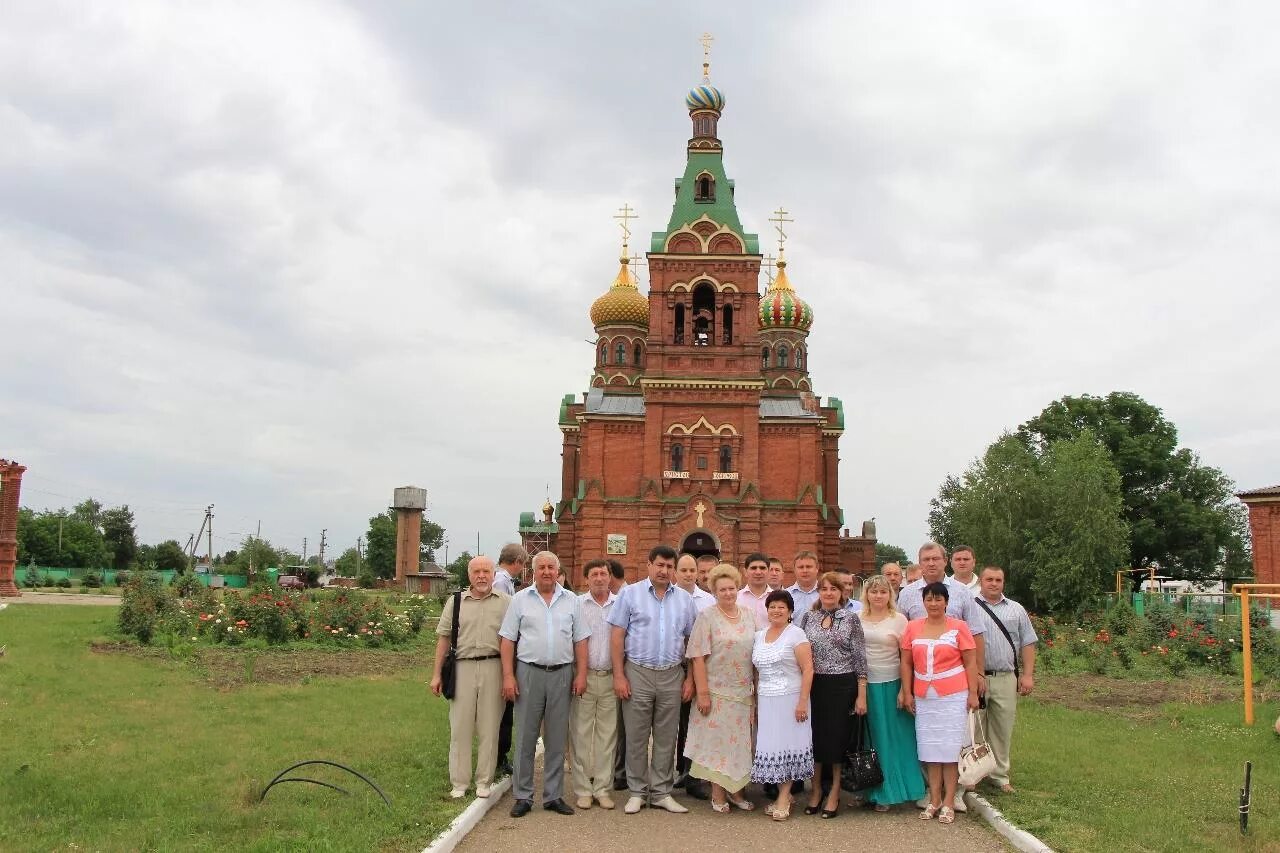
(1143, 776)
(117, 752)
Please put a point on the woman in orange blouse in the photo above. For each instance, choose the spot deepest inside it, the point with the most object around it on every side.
(940, 686)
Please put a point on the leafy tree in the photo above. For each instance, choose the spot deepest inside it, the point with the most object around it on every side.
(886, 553)
(90, 512)
(458, 569)
(380, 553)
(1052, 520)
(120, 535)
(346, 563)
(257, 552)
(1182, 515)
(82, 544)
(168, 555)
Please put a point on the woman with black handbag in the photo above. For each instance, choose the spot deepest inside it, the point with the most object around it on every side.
(839, 686)
(892, 730)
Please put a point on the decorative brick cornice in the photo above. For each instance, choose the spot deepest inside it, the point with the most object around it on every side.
(715, 384)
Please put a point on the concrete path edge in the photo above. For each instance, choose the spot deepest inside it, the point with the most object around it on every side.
(472, 815)
(1019, 838)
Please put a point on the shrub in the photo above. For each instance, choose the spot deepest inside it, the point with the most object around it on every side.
(1121, 620)
(366, 580)
(144, 607)
(417, 611)
(63, 583)
(122, 578)
(92, 580)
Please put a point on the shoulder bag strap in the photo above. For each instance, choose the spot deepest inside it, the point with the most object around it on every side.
(1003, 630)
(453, 632)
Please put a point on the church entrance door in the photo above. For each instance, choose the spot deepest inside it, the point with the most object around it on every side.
(698, 543)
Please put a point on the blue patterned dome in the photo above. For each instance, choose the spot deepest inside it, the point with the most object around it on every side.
(704, 97)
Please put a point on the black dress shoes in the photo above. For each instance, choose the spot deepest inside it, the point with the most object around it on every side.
(619, 783)
(559, 807)
(697, 788)
(521, 808)
(504, 769)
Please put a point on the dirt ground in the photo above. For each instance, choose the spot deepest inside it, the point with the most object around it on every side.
(63, 598)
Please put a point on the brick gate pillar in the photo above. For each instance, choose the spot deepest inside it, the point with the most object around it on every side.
(1264, 531)
(10, 489)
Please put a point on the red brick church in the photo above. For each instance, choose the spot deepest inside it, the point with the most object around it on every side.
(701, 428)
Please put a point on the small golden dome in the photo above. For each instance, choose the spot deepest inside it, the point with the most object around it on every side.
(623, 303)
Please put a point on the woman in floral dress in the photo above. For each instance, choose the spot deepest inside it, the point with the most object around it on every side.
(719, 651)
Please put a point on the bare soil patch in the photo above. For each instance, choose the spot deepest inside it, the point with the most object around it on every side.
(229, 668)
(1133, 699)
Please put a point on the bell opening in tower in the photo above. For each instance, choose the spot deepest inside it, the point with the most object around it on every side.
(704, 314)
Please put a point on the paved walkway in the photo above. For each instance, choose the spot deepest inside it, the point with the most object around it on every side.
(63, 598)
(597, 830)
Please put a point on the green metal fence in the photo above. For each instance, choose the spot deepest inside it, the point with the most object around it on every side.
(108, 576)
(1221, 604)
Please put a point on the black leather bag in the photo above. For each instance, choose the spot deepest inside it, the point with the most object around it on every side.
(449, 669)
(861, 768)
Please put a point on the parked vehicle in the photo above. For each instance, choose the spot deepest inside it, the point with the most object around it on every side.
(291, 582)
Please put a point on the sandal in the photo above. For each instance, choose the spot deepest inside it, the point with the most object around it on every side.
(722, 808)
(742, 803)
(828, 814)
(881, 807)
(928, 812)
(781, 814)
(946, 814)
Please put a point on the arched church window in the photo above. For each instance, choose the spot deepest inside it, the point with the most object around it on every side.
(620, 354)
(764, 358)
(705, 188)
(638, 353)
(704, 314)
(602, 355)
(727, 323)
(799, 358)
(726, 459)
(782, 355)
(679, 335)
(677, 457)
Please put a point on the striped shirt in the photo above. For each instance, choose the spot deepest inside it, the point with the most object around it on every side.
(999, 654)
(596, 617)
(657, 629)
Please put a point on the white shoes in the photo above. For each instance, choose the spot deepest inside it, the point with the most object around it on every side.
(483, 791)
(633, 806)
(458, 793)
(669, 803)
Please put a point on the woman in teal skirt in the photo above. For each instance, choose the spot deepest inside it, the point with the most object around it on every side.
(893, 731)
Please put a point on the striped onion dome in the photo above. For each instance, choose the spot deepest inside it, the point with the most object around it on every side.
(704, 97)
(623, 303)
(781, 308)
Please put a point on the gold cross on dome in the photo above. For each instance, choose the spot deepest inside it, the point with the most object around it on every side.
(706, 40)
(625, 214)
(767, 264)
(699, 508)
(780, 218)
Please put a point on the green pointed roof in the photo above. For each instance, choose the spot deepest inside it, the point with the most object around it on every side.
(722, 211)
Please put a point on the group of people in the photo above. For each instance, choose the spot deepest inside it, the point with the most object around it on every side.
(707, 677)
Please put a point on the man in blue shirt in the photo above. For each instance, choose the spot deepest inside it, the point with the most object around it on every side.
(544, 661)
(651, 621)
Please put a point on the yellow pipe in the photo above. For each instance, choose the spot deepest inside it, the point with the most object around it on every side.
(1247, 648)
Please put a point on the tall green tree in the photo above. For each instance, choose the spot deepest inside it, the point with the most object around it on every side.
(168, 555)
(345, 565)
(458, 569)
(90, 512)
(119, 533)
(886, 553)
(256, 552)
(380, 554)
(1051, 520)
(1182, 515)
(81, 546)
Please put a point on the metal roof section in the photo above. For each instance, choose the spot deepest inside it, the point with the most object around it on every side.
(784, 407)
(600, 403)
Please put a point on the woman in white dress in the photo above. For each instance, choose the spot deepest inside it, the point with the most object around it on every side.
(783, 660)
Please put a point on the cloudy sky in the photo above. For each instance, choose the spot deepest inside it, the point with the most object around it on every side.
(283, 257)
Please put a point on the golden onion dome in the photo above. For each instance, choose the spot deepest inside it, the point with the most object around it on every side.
(623, 303)
(781, 308)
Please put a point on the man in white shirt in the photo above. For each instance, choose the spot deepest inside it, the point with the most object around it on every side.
(962, 568)
(804, 592)
(593, 716)
(512, 560)
(752, 595)
(851, 586)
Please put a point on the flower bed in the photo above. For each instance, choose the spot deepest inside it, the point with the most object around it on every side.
(1119, 642)
(193, 613)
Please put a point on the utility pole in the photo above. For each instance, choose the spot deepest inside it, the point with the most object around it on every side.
(253, 541)
(359, 545)
(304, 550)
(322, 540)
(209, 514)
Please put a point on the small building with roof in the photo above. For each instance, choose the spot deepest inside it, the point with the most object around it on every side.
(1264, 533)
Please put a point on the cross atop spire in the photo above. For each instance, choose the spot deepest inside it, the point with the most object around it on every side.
(706, 40)
(625, 214)
(779, 219)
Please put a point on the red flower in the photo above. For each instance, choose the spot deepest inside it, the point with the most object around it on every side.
(1173, 633)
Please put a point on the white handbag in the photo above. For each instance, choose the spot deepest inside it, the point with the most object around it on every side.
(977, 761)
